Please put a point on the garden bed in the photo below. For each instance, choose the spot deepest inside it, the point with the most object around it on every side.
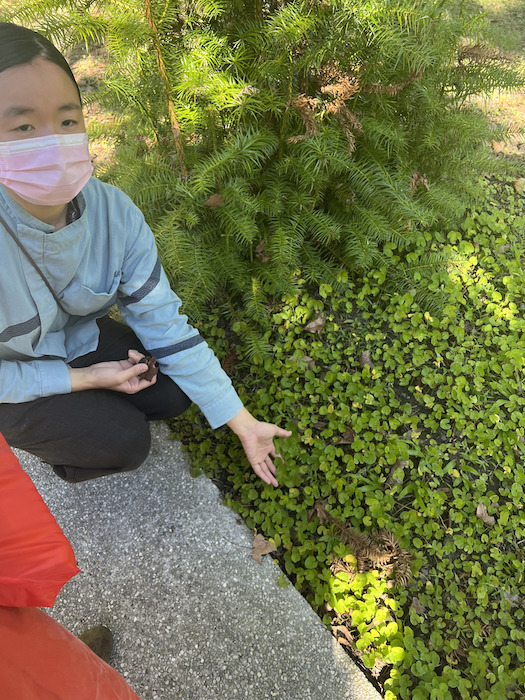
(409, 436)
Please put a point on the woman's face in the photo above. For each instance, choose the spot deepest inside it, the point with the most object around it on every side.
(38, 99)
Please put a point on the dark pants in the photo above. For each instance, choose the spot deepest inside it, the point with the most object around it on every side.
(92, 433)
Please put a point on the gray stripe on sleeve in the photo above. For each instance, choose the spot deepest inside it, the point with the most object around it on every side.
(146, 288)
(19, 329)
(177, 347)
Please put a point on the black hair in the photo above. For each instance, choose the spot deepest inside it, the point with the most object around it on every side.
(19, 46)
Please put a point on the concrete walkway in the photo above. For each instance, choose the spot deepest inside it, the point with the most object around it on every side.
(169, 569)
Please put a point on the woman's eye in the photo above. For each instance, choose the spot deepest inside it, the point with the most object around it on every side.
(24, 127)
(69, 122)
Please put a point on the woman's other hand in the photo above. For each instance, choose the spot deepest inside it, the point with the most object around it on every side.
(120, 375)
(257, 440)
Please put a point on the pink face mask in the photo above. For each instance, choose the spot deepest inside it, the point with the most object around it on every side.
(47, 170)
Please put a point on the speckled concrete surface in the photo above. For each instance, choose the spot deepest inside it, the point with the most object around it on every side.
(169, 569)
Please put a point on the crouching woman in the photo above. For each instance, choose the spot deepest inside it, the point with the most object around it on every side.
(73, 384)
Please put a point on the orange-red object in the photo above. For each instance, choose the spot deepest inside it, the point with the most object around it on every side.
(36, 559)
(40, 659)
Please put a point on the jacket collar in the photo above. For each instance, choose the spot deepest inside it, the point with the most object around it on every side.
(18, 216)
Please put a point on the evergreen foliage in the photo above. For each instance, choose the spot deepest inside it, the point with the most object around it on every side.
(266, 138)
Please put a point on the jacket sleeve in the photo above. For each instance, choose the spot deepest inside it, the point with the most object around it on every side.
(28, 380)
(151, 309)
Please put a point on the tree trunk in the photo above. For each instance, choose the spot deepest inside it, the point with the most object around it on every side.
(175, 127)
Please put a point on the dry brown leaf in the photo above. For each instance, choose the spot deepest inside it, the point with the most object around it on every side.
(498, 146)
(260, 547)
(402, 573)
(317, 325)
(401, 465)
(418, 607)
(306, 108)
(310, 362)
(446, 491)
(393, 89)
(318, 510)
(344, 89)
(344, 642)
(478, 52)
(229, 361)
(512, 598)
(419, 179)
(482, 514)
(366, 359)
(380, 550)
(260, 253)
(215, 201)
(519, 184)
(342, 634)
(346, 438)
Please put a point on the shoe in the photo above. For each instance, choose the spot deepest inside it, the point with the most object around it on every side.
(100, 640)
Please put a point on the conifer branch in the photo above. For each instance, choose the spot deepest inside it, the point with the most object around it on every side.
(175, 127)
(330, 129)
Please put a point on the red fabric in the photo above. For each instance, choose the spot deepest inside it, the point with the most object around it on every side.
(36, 559)
(41, 660)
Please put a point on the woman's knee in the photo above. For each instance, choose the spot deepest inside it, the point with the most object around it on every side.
(132, 447)
(95, 431)
(125, 453)
(162, 401)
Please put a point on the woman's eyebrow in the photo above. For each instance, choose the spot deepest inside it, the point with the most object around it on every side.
(69, 106)
(18, 111)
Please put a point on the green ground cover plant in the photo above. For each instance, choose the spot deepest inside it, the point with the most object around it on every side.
(399, 513)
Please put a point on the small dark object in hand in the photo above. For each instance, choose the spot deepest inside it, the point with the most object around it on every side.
(152, 370)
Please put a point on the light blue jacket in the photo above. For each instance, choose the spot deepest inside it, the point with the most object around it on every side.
(107, 256)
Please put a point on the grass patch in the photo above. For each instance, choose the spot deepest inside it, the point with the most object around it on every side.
(508, 20)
